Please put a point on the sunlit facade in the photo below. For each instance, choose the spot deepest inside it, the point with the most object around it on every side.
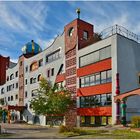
(95, 69)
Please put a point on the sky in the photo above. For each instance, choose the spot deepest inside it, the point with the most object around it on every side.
(42, 21)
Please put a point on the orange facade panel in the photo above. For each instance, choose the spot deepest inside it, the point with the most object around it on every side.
(94, 68)
(60, 78)
(94, 90)
(98, 111)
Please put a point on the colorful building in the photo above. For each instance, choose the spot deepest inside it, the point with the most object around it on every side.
(100, 70)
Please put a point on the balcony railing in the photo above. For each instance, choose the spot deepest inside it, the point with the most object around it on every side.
(119, 30)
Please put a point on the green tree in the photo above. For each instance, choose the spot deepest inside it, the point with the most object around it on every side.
(51, 99)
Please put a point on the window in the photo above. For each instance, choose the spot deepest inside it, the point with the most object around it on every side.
(85, 35)
(13, 85)
(52, 72)
(7, 78)
(95, 56)
(95, 79)
(16, 85)
(16, 96)
(11, 76)
(96, 100)
(108, 99)
(95, 120)
(40, 62)
(11, 98)
(26, 69)
(7, 88)
(53, 56)
(25, 81)
(2, 91)
(39, 77)
(103, 98)
(26, 94)
(32, 80)
(26, 106)
(86, 81)
(103, 77)
(8, 98)
(82, 82)
(34, 92)
(33, 66)
(16, 74)
(48, 73)
(139, 79)
(70, 31)
(109, 76)
(60, 69)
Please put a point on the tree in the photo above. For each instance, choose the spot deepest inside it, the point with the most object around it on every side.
(51, 99)
(97, 37)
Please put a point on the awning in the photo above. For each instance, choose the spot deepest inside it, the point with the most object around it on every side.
(12, 107)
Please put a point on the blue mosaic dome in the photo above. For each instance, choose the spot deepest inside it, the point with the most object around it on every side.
(31, 48)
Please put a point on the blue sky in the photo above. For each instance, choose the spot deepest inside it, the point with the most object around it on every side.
(20, 22)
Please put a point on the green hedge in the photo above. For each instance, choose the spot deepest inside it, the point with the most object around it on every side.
(63, 129)
(135, 121)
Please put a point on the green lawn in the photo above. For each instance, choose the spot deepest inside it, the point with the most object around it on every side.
(5, 135)
(103, 134)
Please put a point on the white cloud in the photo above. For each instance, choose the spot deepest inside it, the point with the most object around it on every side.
(14, 60)
(24, 17)
(46, 43)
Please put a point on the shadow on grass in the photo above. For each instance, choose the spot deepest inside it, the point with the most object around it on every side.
(105, 134)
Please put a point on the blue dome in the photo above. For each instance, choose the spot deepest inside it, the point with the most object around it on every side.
(31, 48)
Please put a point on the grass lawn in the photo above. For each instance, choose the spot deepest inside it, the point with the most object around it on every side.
(5, 135)
(105, 134)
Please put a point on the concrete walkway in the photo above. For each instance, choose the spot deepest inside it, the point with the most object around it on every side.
(26, 131)
(30, 131)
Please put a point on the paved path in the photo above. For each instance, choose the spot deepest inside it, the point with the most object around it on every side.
(30, 131)
(25, 131)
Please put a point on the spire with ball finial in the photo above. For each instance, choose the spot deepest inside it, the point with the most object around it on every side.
(78, 12)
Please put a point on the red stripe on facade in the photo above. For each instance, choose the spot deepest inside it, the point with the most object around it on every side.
(60, 78)
(99, 111)
(93, 68)
(94, 90)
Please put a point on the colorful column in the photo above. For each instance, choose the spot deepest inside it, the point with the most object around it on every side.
(123, 113)
(118, 103)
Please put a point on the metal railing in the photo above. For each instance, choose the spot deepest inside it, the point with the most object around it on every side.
(119, 30)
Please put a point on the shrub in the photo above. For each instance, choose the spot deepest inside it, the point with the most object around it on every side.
(63, 129)
(135, 121)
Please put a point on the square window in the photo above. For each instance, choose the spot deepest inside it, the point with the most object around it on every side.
(85, 35)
